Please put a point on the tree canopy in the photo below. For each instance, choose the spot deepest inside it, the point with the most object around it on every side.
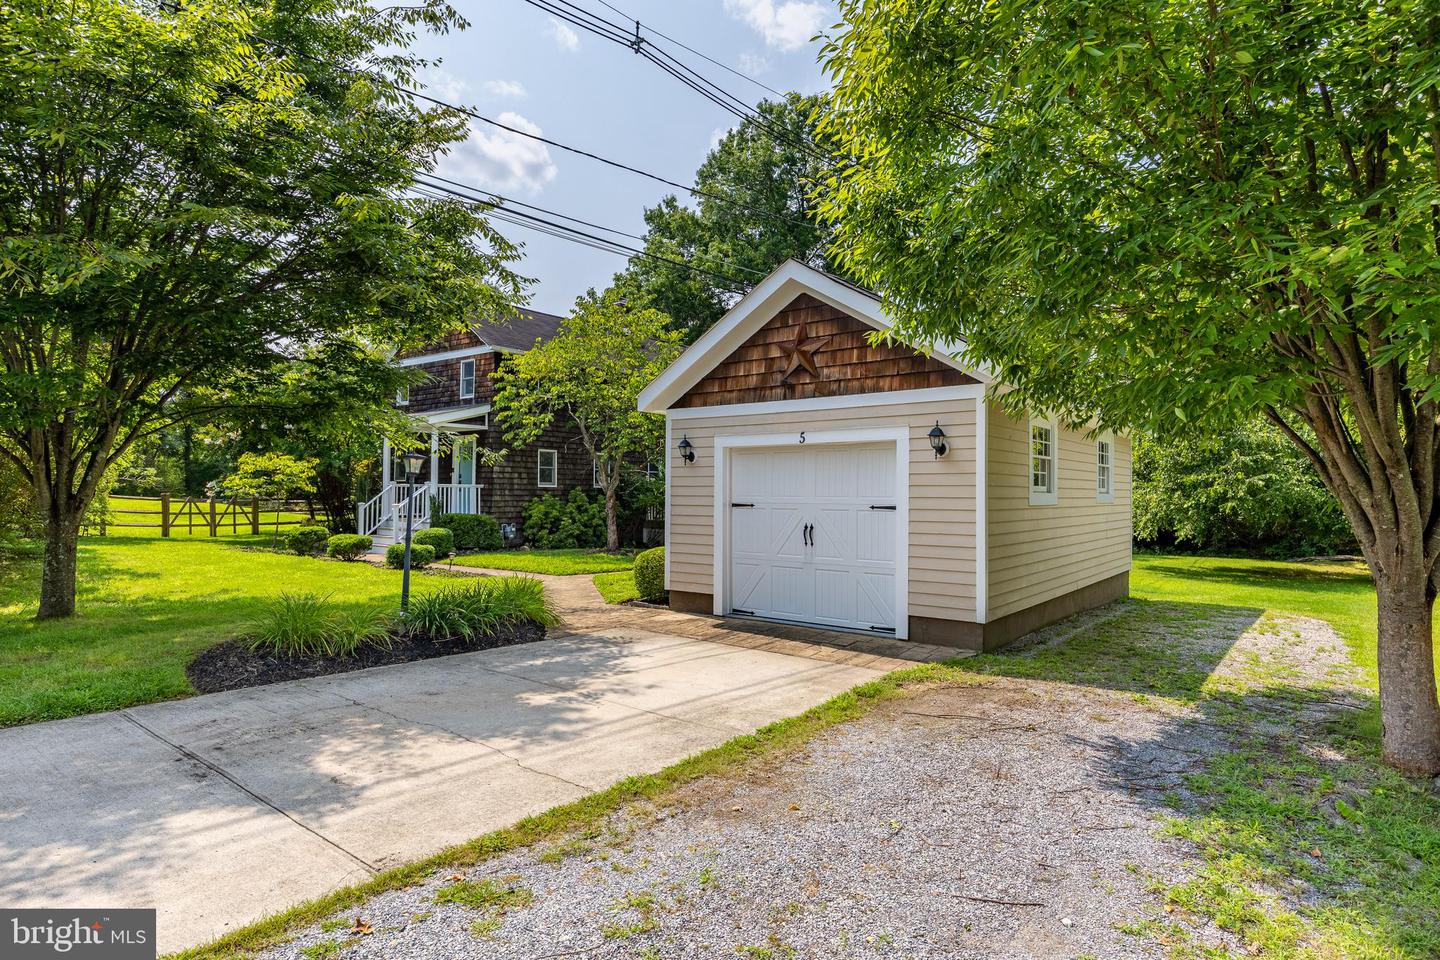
(591, 374)
(755, 211)
(194, 198)
(1177, 213)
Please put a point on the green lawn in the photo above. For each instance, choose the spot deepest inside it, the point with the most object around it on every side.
(553, 562)
(1340, 593)
(1310, 848)
(617, 587)
(147, 606)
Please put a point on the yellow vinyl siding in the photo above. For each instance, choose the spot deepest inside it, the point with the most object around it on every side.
(942, 495)
(1039, 552)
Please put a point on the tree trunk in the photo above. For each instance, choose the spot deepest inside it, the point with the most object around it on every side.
(612, 526)
(1409, 711)
(57, 577)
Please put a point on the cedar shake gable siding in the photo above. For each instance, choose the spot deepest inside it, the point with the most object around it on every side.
(489, 340)
(848, 363)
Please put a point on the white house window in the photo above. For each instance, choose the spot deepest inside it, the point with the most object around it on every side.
(1105, 469)
(467, 379)
(547, 468)
(402, 397)
(652, 469)
(595, 473)
(1044, 445)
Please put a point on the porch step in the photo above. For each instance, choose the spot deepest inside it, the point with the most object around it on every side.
(383, 538)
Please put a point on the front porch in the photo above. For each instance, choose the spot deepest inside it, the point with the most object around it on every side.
(447, 482)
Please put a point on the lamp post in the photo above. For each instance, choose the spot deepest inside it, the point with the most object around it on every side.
(413, 462)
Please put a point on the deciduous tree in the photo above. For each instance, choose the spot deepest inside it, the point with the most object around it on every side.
(591, 374)
(1173, 214)
(193, 195)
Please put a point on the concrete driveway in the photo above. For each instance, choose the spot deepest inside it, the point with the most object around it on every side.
(222, 809)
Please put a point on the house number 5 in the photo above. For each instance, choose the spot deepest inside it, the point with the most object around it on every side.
(802, 436)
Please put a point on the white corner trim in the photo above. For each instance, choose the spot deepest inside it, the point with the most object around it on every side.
(900, 436)
(753, 310)
(923, 395)
(463, 353)
(666, 533)
(982, 510)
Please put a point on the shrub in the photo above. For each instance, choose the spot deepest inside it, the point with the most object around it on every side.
(348, 546)
(438, 537)
(1247, 487)
(473, 531)
(421, 555)
(650, 574)
(479, 607)
(575, 522)
(307, 541)
(309, 625)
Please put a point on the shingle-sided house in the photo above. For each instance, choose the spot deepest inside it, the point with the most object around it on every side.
(816, 478)
(452, 409)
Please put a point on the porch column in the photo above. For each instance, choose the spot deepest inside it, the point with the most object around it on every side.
(385, 459)
(434, 462)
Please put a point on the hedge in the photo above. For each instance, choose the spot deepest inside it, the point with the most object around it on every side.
(348, 546)
(308, 541)
(472, 531)
(650, 574)
(438, 537)
(421, 555)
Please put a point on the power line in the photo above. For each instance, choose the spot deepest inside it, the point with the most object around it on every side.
(562, 231)
(466, 111)
(743, 76)
(617, 33)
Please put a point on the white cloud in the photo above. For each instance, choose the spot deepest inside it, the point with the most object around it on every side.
(788, 25)
(718, 134)
(446, 85)
(753, 64)
(504, 88)
(566, 38)
(500, 160)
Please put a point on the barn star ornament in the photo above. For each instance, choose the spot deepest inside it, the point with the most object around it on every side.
(800, 352)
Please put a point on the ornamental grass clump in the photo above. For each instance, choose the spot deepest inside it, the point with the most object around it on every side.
(478, 608)
(298, 625)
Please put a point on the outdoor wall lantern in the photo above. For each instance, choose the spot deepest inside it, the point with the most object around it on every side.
(937, 440)
(687, 450)
(413, 461)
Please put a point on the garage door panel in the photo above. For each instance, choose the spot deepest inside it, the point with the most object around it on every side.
(875, 536)
(845, 575)
(875, 598)
(834, 537)
(751, 588)
(792, 592)
(834, 596)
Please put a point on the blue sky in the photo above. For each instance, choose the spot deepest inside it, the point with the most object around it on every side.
(519, 65)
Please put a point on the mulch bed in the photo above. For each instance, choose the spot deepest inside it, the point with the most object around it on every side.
(232, 664)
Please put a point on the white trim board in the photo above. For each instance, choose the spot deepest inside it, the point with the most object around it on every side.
(755, 309)
(441, 417)
(889, 397)
(982, 510)
(900, 436)
(463, 353)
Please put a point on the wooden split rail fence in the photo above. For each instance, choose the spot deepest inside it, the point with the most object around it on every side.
(211, 515)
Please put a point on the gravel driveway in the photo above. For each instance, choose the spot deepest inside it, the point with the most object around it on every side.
(1008, 818)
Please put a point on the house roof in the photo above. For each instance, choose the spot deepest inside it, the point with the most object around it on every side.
(764, 301)
(521, 332)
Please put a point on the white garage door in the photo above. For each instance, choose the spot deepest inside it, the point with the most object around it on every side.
(812, 534)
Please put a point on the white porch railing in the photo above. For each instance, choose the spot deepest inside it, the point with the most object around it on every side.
(416, 507)
(458, 497)
(374, 512)
(388, 506)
